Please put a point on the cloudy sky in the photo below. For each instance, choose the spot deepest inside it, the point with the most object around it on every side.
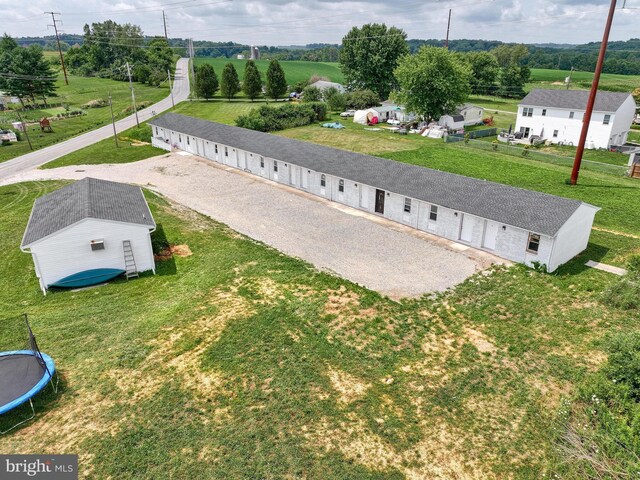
(285, 22)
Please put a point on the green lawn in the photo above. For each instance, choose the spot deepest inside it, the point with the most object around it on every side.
(79, 91)
(240, 362)
(294, 71)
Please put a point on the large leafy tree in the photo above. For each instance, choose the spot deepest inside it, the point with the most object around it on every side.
(514, 73)
(206, 81)
(370, 54)
(484, 71)
(433, 82)
(252, 83)
(276, 81)
(229, 84)
(25, 73)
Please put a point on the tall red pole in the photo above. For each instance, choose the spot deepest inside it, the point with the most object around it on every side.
(592, 96)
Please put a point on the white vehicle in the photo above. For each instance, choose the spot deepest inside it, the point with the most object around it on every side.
(393, 121)
(348, 113)
(8, 136)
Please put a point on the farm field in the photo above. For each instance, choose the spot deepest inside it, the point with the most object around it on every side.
(545, 78)
(295, 71)
(79, 91)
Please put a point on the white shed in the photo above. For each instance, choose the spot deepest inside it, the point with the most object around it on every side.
(89, 225)
(472, 114)
(452, 122)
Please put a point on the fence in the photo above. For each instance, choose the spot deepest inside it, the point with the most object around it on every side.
(532, 154)
(458, 137)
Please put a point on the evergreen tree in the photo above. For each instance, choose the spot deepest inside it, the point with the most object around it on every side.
(276, 81)
(252, 83)
(229, 85)
(206, 82)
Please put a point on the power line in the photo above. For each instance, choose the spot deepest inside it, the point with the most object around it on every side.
(55, 27)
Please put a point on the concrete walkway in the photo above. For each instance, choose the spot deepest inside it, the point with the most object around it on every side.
(390, 258)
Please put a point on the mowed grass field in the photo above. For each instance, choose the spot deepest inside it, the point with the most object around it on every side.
(240, 362)
(294, 71)
(80, 91)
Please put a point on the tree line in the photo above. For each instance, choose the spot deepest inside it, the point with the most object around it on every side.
(107, 47)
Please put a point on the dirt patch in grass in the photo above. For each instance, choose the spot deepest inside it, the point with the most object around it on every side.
(480, 341)
(438, 456)
(350, 319)
(169, 252)
(348, 387)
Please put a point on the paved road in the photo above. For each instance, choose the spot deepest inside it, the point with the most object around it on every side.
(385, 256)
(44, 155)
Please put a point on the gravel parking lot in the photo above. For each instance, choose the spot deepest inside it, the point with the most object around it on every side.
(392, 259)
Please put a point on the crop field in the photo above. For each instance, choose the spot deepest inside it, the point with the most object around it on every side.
(294, 71)
(546, 78)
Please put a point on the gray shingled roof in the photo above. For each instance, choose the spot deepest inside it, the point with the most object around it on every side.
(86, 198)
(533, 211)
(574, 99)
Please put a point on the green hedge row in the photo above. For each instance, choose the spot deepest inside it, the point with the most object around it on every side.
(272, 118)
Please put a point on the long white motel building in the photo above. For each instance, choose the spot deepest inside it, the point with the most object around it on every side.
(512, 223)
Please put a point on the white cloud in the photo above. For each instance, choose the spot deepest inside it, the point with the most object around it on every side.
(285, 22)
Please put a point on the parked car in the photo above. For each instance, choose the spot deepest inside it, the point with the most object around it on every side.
(348, 113)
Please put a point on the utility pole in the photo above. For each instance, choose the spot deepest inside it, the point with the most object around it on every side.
(113, 122)
(446, 42)
(191, 61)
(164, 21)
(133, 95)
(592, 95)
(173, 104)
(26, 133)
(569, 77)
(55, 27)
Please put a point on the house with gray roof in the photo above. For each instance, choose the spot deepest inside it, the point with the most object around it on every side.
(88, 225)
(556, 116)
(513, 223)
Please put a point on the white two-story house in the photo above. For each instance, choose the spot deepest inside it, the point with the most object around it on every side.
(556, 115)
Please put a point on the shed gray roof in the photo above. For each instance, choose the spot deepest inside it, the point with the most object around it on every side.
(574, 99)
(86, 198)
(533, 211)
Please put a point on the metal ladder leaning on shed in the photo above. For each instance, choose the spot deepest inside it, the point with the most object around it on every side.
(131, 271)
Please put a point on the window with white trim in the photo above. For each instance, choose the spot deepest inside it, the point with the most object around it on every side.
(607, 119)
(323, 180)
(407, 205)
(188, 142)
(533, 244)
(226, 151)
(527, 112)
(341, 186)
(261, 162)
(275, 166)
(555, 134)
(216, 148)
(571, 114)
(433, 213)
(544, 112)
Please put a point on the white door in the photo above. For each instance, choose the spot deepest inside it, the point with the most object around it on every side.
(305, 178)
(490, 235)
(295, 174)
(364, 196)
(466, 229)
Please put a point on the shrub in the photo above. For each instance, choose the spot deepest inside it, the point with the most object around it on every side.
(311, 94)
(97, 103)
(360, 99)
(269, 119)
(625, 293)
(337, 102)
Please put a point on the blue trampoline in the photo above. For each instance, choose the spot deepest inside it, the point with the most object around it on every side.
(23, 374)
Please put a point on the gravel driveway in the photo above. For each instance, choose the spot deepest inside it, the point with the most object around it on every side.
(392, 259)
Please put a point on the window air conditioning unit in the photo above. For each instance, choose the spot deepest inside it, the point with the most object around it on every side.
(97, 245)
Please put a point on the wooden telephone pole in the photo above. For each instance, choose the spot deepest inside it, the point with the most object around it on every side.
(446, 42)
(592, 96)
(55, 27)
